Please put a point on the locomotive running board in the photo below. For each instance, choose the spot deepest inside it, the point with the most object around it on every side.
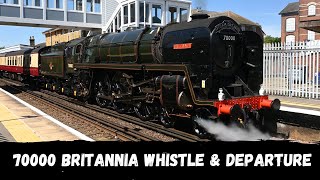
(150, 67)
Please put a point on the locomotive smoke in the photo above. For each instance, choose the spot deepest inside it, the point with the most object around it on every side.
(201, 4)
(232, 132)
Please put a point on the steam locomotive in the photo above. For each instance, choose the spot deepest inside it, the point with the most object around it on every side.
(207, 68)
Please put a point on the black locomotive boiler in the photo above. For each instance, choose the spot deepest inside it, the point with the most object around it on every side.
(207, 68)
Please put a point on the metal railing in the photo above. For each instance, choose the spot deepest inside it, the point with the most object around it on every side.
(292, 69)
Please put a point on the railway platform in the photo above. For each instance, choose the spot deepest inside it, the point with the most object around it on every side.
(299, 105)
(21, 122)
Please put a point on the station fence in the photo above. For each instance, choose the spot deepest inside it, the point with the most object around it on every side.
(292, 69)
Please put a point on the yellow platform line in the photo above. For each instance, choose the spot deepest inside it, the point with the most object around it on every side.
(18, 129)
(301, 105)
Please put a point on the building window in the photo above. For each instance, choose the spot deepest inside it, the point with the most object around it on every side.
(312, 10)
(93, 6)
(59, 4)
(119, 17)
(290, 39)
(27, 3)
(144, 12)
(79, 5)
(184, 15)
(50, 3)
(133, 12)
(97, 6)
(125, 14)
(75, 5)
(172, 15)
(37, 3)
(9, 1)
(311, 36)
(70, 4)
(156, 14)
(90, 5)
(290, 24)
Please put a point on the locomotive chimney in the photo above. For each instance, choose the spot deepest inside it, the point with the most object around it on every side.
(32, 41)
(199, 16)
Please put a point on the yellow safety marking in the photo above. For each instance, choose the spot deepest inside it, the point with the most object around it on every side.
(18, 129)
(300, 105)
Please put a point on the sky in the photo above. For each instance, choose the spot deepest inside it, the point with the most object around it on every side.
(264, 12)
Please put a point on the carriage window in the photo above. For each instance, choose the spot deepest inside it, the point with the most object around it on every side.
(15, 61)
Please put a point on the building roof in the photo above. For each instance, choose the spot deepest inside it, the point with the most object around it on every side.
(15, 48)
(239, 19)
(290, 8)
(242, 21)
(20, 52)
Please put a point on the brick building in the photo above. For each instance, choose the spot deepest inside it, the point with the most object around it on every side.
(300, 21)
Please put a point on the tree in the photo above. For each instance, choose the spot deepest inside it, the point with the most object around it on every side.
(270, 39)
(2, 47)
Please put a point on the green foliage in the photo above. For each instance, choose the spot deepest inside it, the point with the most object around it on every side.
(2, 47)
(270, 39)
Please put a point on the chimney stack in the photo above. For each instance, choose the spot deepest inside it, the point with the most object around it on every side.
(201, 15)
(32, 41)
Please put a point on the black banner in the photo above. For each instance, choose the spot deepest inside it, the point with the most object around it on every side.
(155, 160)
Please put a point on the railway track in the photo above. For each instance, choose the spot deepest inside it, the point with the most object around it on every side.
(121, 132)
(131, 119)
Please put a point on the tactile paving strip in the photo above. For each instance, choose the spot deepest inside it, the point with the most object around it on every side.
(3, 139)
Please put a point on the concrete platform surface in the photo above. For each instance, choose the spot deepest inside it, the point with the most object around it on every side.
(18, 123)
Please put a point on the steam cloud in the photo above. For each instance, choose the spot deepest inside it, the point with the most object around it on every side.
(201, 4)
(232, 132)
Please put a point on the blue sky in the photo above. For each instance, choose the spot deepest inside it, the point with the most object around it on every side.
(264, 12)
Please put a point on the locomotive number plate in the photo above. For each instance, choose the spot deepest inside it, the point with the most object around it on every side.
(229, 38)
(182, 46)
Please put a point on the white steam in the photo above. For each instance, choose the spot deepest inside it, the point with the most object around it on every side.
(232, 132)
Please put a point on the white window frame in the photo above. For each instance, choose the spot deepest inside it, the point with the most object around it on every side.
(178, 5)
(129, 13)
(290, 36)
(75, 6)
(55, 5)
(163, 14)
(311, 35)
(33, 4)
(182, 8)
(169, 14)
(290, 24)
(11, 3)
(312, 10)
(93, 8)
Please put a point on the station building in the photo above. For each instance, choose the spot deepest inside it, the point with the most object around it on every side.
(300, 21)
(71, 19)
(106, 15)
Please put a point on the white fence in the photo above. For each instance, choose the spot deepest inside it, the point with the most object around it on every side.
(292, 70)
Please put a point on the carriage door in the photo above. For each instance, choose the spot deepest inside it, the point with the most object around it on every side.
(26, 64)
